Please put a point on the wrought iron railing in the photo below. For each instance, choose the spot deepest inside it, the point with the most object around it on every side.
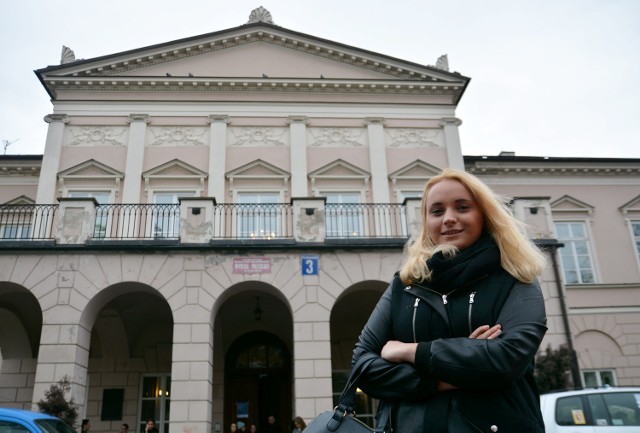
(365, 220)
(253, 221)
(27, 222)
(137, 221)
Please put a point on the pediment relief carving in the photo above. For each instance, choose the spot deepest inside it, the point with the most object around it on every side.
(414, 137)
(336, 137)
(177, 136)
(95, 136)
(257, 136)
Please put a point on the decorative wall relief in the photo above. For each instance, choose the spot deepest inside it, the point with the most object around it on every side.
(336, 137)
(411, 137)
(95, 136)
(177, 136)
(258, 136)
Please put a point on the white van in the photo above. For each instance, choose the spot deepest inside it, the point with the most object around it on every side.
(594, 410)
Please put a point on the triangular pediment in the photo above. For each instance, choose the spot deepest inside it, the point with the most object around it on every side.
(417, 170)
(175, 169)
(23, 199)
(257, 56)
(258, 169)
(567, 203)
(90, 169)
(631, 207)
(339, 169)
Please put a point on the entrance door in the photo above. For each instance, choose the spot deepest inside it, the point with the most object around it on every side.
(258, 381)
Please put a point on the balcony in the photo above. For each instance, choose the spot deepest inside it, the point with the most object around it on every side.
(201, 221)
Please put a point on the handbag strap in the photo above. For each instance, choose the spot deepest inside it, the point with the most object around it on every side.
(347, 398)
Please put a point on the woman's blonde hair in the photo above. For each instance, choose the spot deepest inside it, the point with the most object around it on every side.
(519, 256)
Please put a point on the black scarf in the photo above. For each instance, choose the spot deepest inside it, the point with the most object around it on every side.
(480, 259)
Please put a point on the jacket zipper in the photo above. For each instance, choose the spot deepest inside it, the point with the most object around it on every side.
(413, 321)
(472, 296)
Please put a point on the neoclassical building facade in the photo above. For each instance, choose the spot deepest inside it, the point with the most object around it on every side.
(214, 218)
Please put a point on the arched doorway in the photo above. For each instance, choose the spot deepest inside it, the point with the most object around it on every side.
(258, 380)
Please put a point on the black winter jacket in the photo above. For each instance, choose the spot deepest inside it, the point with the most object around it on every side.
(495, 377)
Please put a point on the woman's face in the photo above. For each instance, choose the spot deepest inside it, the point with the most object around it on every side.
(453, 216)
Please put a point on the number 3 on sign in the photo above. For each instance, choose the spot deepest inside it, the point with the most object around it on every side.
(309, 265)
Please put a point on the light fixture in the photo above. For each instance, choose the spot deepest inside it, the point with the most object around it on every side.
(257, 313)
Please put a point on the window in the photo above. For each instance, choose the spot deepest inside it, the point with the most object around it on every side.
(593, 378)
(575, 256)
(259, 215)
(344, 216)
(15, 231)
(155, 399)
(635, 229)
(166, 213)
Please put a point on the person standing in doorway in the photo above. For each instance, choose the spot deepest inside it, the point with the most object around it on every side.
(150, 427)
(272, 426)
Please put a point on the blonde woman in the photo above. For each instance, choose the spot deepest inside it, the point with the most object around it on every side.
(458, 328)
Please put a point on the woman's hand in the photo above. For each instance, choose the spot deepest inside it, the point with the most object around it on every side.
(397, 351)
(485, 332)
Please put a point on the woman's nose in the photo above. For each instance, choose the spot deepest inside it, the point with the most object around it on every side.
(449, 218)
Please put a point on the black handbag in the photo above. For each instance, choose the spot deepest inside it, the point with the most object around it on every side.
(343, 418)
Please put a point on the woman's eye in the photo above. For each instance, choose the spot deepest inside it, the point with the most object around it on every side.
(436, 212)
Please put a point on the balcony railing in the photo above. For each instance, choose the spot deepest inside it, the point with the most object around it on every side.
(137, 221)
(201, 220)
(253, 221)
(366, 220)
(27, 222)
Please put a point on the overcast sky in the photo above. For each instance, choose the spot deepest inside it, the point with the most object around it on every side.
(548, 77)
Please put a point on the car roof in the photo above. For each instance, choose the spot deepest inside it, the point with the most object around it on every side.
(606, 389)
(24, 414)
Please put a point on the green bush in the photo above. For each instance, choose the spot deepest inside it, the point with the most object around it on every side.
(553, 369)
(55, 402)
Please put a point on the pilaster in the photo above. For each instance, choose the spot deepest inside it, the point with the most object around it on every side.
(135, 157)
(452, 141)
(378, 157)
(217, 155)
(51, 158)
(298, 152)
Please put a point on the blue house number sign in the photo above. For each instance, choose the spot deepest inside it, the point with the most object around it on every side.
(309, 265)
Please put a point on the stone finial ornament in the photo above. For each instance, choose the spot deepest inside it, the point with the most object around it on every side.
(67, 55)
(260, 15)
(443, 62)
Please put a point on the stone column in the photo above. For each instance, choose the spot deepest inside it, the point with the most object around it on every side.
(64, 347)
(51, 159)
(378, 157)
(298, 150)
(452, 141)
(312, 353)
(217, 156)
(192, 355)
(135, 157)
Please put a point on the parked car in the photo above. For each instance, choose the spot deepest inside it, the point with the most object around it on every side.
(594, 410)
(24, 421)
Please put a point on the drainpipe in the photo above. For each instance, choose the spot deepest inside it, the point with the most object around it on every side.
(552, 245)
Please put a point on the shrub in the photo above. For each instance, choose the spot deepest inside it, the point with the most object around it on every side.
(55, 402)
(553, 369)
